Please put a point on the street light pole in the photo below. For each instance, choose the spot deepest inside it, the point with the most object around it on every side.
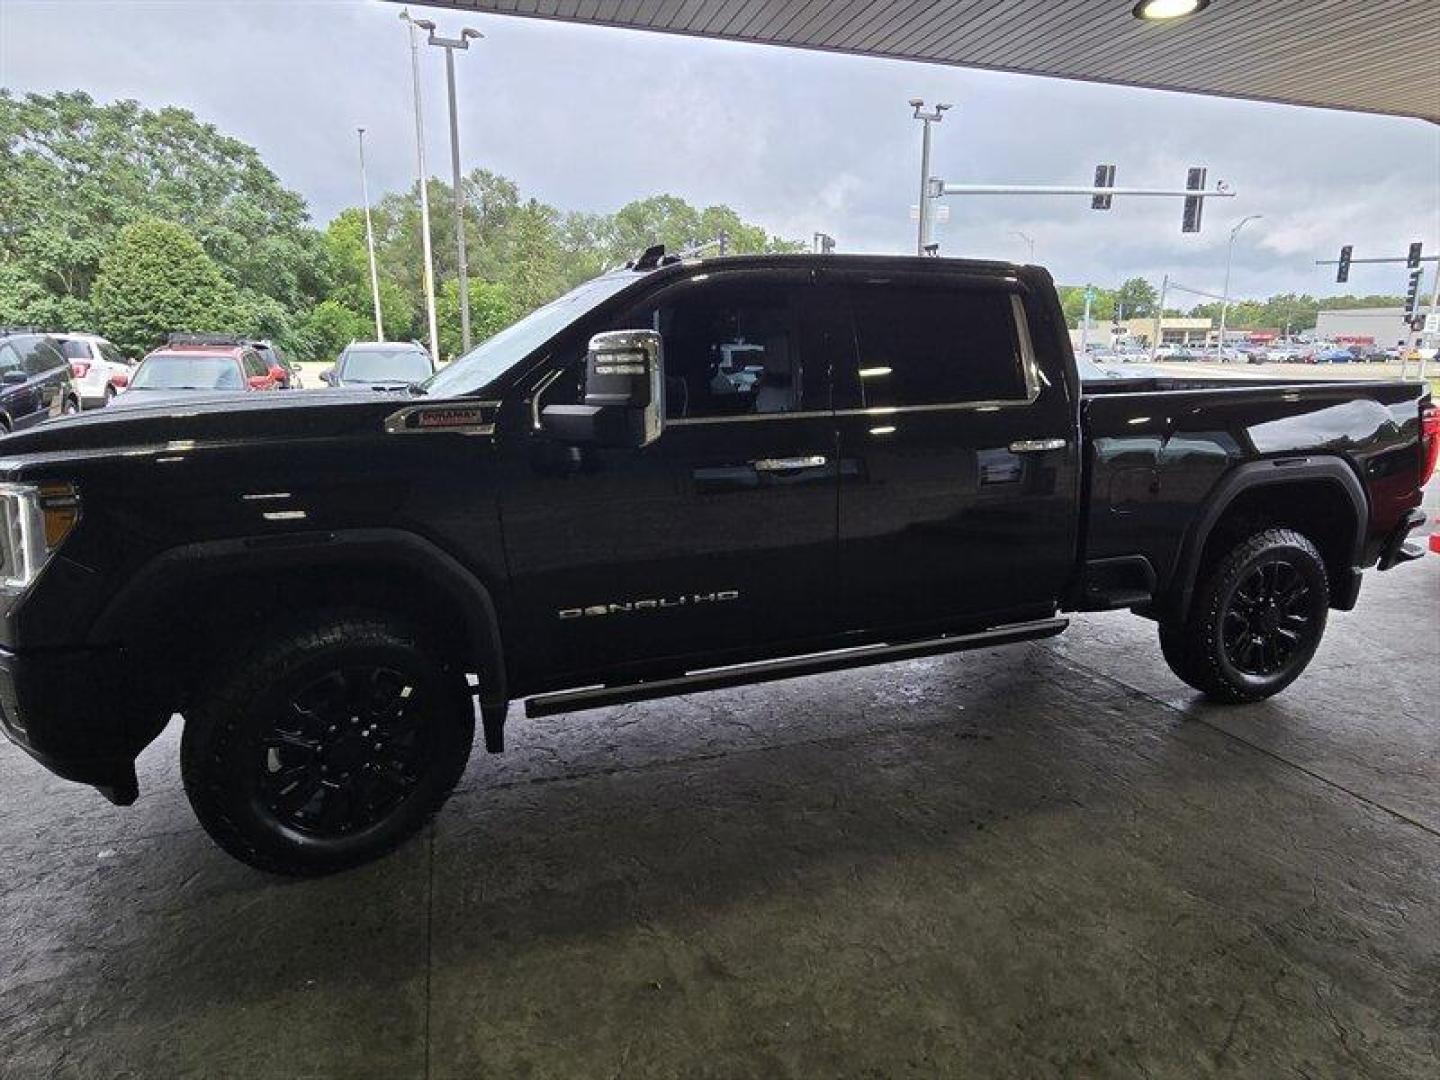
(450, 45)
(922, 238)
(1225, 292)
(1028, 240)
(370, 241)
(429, 269)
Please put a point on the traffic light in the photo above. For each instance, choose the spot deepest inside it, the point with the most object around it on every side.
(1412, 294)
(1194, 207)
(1104, 178)
(1342, 272)
(1412, 261)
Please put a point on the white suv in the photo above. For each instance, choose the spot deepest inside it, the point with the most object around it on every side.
(100, 369)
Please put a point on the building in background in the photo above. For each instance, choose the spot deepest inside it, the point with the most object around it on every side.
(1382, 326)
(1173, 331)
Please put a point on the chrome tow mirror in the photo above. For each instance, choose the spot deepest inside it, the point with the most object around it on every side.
(624, 394)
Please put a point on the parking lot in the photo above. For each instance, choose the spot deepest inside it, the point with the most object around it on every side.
(1051, 859)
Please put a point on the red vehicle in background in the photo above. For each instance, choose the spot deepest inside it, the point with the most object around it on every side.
(192, 364)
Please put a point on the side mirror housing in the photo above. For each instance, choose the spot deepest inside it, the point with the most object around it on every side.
(328, 376)
(624, 394)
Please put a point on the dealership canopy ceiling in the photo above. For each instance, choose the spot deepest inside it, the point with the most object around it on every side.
(1368, 55)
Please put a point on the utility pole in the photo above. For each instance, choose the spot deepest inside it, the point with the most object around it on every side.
(370, 242)
(934, 116)
(1159, 316)
(450, 45)
(1225, 293)
(1085, 323)
(429, 269)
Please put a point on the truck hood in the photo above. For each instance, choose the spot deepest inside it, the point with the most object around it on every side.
(201, 417)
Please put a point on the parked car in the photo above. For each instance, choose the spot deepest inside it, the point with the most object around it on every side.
(100, 370)
(384, 365)
(35, 380)
(188, 369)
(1335, 356)
(275, 358)
(583, 511)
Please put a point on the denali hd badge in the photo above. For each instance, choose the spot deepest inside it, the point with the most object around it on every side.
(664, 603)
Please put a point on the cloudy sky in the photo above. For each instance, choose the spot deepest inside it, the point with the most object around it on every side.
(589, 118)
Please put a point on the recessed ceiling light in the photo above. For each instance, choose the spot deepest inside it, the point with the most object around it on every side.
(1157, 10)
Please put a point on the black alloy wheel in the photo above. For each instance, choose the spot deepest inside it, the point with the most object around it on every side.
(1268, 619)
(344, 750)
(327, 745)
(1257, 617)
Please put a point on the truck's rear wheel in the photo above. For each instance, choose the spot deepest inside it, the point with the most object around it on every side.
(328, 746)
(1257, 619)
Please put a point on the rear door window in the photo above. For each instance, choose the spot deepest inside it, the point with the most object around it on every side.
(254, 366)
(42, 356)
(937, 344)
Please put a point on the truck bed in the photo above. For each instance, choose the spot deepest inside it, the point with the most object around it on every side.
(1159, 448)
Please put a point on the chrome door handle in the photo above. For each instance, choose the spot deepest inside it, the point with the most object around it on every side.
(787, 464)
(1036, 446)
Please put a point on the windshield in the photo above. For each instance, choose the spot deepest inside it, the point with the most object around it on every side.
(385, 366)
(496, 355)
(188, 373)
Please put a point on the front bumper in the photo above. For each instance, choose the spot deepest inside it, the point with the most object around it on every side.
(59, 706)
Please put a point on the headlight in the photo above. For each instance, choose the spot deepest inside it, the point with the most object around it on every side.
(34, 520)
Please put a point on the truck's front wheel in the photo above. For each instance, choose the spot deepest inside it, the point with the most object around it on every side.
(327, 746)
(1257, 619)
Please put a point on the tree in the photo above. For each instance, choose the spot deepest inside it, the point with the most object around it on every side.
(349, 267)
(1136, 298)
(74, 173)
(491, 310)
(156, 278)
(329, 327)
(534, 273)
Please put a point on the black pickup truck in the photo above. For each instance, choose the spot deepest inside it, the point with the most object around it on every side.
(681, 476)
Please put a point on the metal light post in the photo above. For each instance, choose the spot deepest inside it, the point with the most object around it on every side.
(423, 24)
(1225, 292)
(450, 45)
(1028, 240)
(370, 242)
(922, 239)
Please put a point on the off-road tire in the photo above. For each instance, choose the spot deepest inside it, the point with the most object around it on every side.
(226, 730)
(1196, 648)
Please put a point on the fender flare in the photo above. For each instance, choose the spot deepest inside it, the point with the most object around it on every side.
(189, 564)
(1243, 478)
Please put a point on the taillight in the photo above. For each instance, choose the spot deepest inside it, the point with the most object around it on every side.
(80, 368)
(1429, 441)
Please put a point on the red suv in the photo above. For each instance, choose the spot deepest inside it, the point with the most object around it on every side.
(191, 363)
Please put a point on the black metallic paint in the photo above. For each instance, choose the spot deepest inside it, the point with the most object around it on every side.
(936, 524)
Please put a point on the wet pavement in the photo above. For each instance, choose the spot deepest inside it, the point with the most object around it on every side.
(1046, 860)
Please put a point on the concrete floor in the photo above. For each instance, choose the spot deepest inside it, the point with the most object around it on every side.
(1048, 860)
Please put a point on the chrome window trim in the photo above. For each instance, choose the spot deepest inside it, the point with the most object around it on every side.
(539, 391)
(746, 418)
